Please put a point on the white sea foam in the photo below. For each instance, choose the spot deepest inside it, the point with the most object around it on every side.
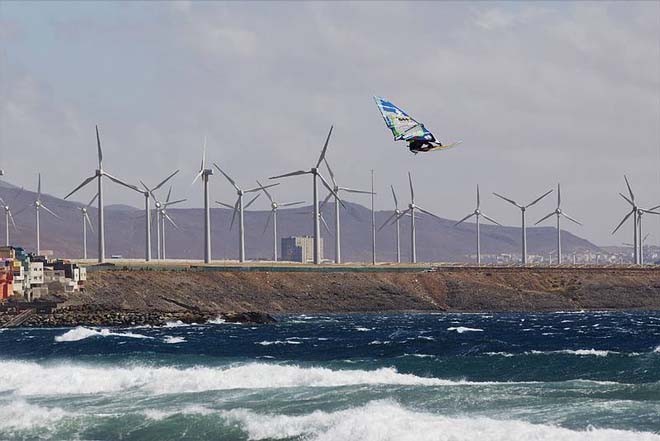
(173, 340)
(278, 342)
(362, 329)
(462, 329)
(176, 324)
(81, 333)
(28, 378)
(217, 321)
(657, 349)
(387, 420)
(580, 352)
(21, 416)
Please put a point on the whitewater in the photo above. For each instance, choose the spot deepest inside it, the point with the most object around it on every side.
(421, 377)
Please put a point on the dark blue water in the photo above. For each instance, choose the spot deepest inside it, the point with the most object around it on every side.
(340, 377)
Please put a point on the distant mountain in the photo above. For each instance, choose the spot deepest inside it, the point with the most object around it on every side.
(436, 240)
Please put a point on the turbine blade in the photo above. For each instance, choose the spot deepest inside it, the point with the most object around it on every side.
(233, 216)
(396, 202)
(511, 201)
(231, 181)
(98, 146)
(558, 195)
(491, 220)
(120, 182)
(544, 218)
(270, 198)
(478, 198)
(2, 201)
(289, 204)
(50, 211)
(332, 175)
(295, 173)
(270, 215)
(389, 219)
(622, 221)
(571, 219)
(85, 182)
(539, 198)
(252, 190)
(330, 189)
(231, 207)
(464, 219)
(654, 208)
(428, 212)
(203, 166)
(167, 216)
(627, 200)
(252, 201)
(403, 213)
(163, 181)
(92, 201)
(350, 190)
(325, 225)
(89, 222)
(11, 218)
(632, 196)
(39, 187)
(325, 201)
(178, 201)
(325, 148)
(412, 190)
(169, 193)
(197, 176)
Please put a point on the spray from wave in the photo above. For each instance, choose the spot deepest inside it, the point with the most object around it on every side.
(81, 333)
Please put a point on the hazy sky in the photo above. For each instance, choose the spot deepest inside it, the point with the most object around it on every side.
(538, 92)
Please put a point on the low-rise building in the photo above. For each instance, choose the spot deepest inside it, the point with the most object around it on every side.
(299, 249)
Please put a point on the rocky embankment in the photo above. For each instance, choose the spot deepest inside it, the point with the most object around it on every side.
(127, 297)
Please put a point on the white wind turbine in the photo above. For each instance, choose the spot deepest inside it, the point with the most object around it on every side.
(559, 213)
(337, 189)
(274, 206)
(477, 213)
(99, 174)
(163, 216)
(523, 209)
(412, 208)
(86, 221)
(38, 205)
(239, 207)
(149, 193)
(204, 173)
(637, 213)
(316, 174)
(9, 217)
(394, 219)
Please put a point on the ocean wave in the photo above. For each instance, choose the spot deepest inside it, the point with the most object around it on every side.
(580, 352)
(169, 339)
(21, 416)
(388, 420)
(657, 349)
(218, 321)
(278, 342)
(462, 329)
(81, 333)
(29, 378)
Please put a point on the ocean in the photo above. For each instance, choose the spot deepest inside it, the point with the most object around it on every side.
(523, 376)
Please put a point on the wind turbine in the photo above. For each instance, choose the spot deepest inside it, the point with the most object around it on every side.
(637, 213)
(204, 173)
(149, 193)
(99, 173)
(394, 219)
(162, 210)
(316, 174)
(412, 208)
(523, 209)
(86, 221)
(9, 217)
(559, 213)
(240, 208)
(38, 205)
(477, 213)
(337, 189)
(274, 206)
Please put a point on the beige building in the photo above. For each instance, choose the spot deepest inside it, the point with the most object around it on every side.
(299, 249)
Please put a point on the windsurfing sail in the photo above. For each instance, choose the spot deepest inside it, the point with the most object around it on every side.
(402, 125)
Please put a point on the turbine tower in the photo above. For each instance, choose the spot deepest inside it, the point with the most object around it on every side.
(316, 174)
(274, 206)
(9, 217)
(559, 213)
(149, 193)
(412, 208)
(477, 213)
(204, 173)
(240, 208)
(337, 189)
(99, 174)
(523, 209)
(38, 205)
(163, 216)
(394, 219)
(86, 221)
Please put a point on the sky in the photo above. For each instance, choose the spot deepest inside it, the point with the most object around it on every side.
(539, 93)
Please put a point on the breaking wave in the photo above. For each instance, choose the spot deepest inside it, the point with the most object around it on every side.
(81, 333)
(462, 329)
(387, 420)
(169, 339)
(20, 416)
